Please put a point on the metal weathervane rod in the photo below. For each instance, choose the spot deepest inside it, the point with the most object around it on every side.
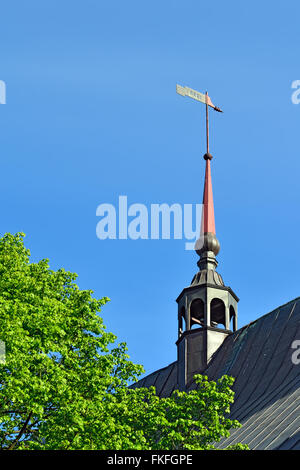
(207, 127)
(196, 95)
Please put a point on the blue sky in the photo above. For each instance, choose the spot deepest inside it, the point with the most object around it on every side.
(92, 114)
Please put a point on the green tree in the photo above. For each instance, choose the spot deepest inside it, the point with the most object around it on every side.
(64, 383)
(192, 421)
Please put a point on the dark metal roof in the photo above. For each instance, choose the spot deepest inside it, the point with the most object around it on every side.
(267, 383)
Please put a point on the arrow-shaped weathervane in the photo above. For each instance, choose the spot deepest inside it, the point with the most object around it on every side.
(203, 98)
(196, 95)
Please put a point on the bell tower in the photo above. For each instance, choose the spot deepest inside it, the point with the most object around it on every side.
(207, 309)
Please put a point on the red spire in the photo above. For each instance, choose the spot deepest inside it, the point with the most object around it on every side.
(208, 216)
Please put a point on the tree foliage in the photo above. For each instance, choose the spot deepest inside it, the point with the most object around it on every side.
(64, 383)
(191, 420)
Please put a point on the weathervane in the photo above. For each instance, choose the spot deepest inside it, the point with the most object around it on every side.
(203, 98)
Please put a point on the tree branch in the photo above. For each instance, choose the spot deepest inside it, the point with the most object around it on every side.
(22, 430)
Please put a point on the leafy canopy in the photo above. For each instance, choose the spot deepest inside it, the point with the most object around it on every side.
(64, 383)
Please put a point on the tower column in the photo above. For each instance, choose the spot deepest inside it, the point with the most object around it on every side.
(188, 317)
(235, 322)
(207, 312)
(227, 318)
